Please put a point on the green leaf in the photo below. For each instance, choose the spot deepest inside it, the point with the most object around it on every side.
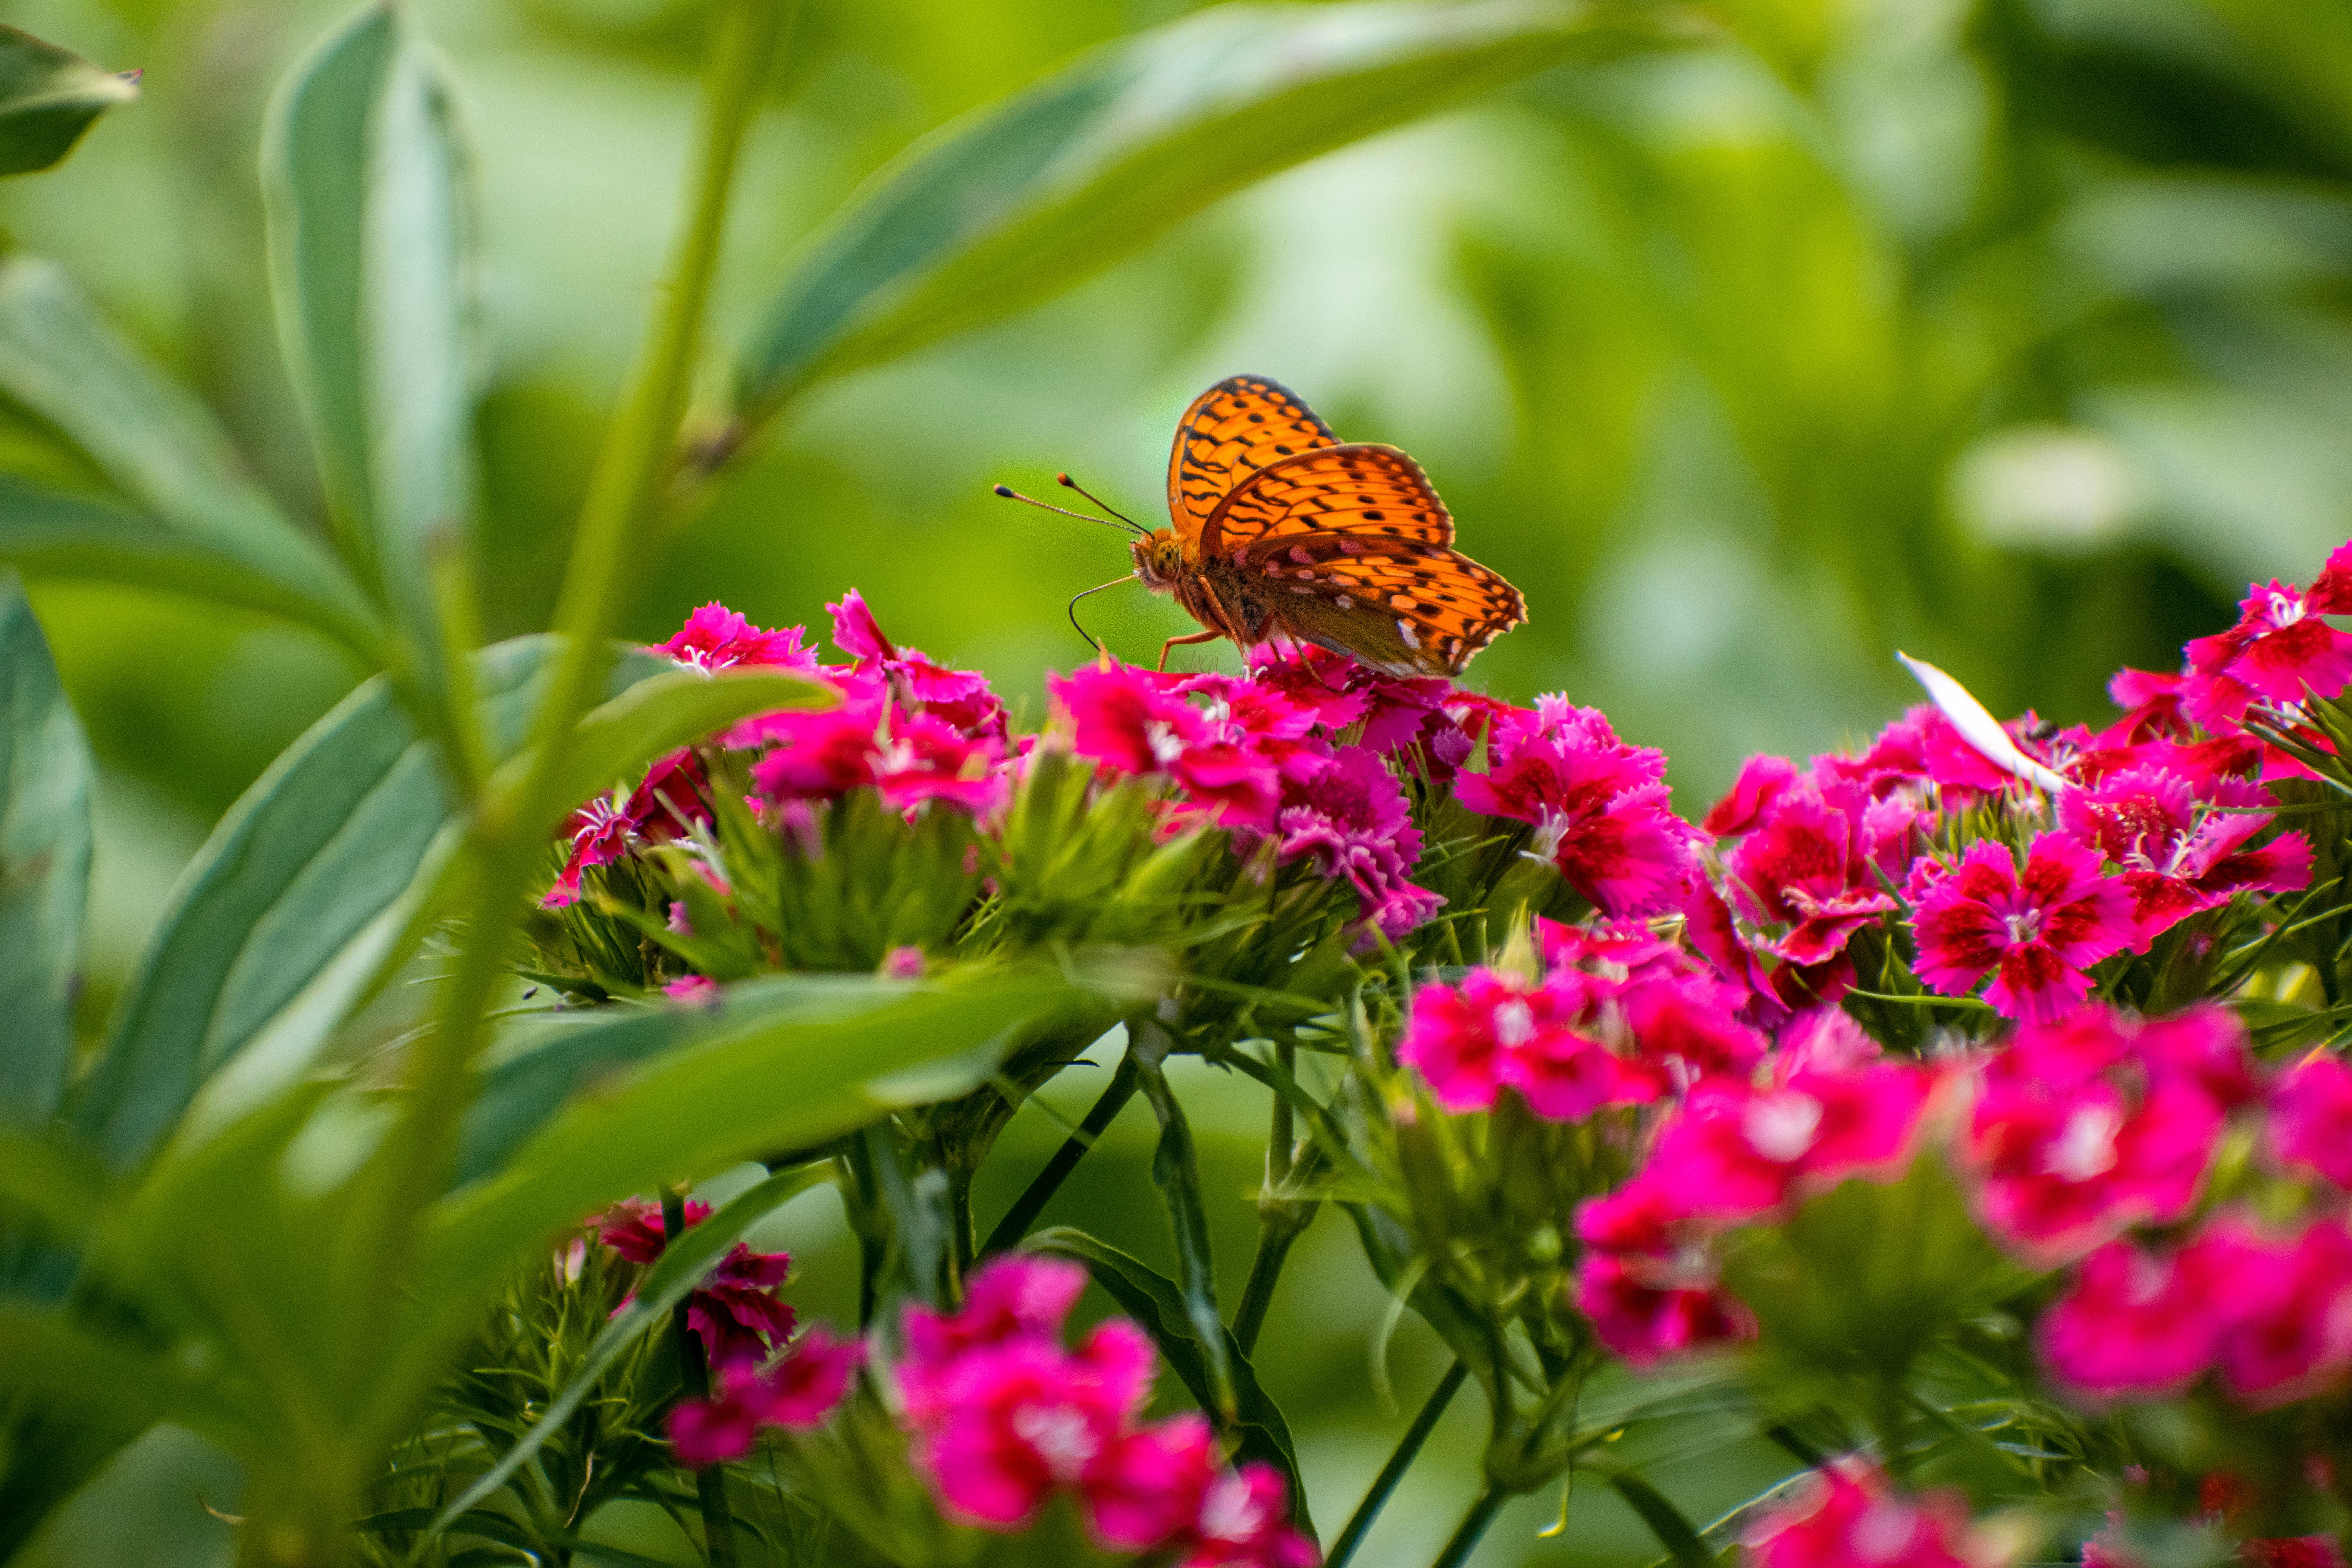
(1665, 1521)
(47, 98)
(658, 716)
(1176, 1171)
(44, 865)
(746, 1075)
(541, 1064)
(1011, 203)
(1157, 1305)
(64, 362)
(297, 903)
(679, 1270)
(370, 264)
(72, 1403)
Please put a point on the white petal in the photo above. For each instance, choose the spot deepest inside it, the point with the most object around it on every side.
(1978, 728)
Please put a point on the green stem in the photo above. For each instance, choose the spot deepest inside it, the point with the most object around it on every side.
(1279, 1226)
(1408, 1449)
(1474, 1524)
(694, 1372)
(1048, 1180)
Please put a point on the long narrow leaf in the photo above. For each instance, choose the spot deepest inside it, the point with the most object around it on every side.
(45, 772)
(47, 98)
(63, 362)
(1176, 1171)
(1004, 207)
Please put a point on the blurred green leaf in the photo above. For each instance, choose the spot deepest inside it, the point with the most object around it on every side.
(658, 716)
(1021, 197)
(295, 904)
(1176, 1172)
(1157, 1303)
(45, 772)
(540, 1065)
(63, 362)
(73, 1402)
(723, 1082)
(1675, 1534)
(679, 1270)
(47, 98)
(369, 263)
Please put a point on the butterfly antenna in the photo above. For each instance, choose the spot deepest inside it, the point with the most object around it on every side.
(1008, 493)
(1069, 483)
(1096, 589)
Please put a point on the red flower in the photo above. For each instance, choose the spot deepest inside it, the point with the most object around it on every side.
(2034, 930)
(2181, 853)
(1852, 1517)
(1805, 866)
(797, 1393)
(734, 1311)
(2280, 650)
(715, 637)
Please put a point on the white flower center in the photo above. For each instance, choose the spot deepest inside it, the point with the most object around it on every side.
(1165, 743)
(1885, 1532)
(2285, 610)
(1231, 1512)
(2024, 925)
(1061, 1437)
(1780, 1127)
(2086, 1146)
(1514, 1023)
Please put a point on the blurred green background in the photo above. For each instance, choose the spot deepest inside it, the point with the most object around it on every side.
(2016, 333)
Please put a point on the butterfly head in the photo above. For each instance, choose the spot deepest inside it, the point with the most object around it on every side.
(1158, 560)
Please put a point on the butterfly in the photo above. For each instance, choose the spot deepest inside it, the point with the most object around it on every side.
(1281, 529)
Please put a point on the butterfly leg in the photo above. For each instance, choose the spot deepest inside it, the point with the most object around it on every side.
(1185, 642)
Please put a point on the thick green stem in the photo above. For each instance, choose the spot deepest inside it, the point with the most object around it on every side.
(1048, 1180)
(1474, 1524)
(1408, 1449)
(694, 1372)
(1280, 1224)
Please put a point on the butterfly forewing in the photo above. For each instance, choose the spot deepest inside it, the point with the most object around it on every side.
(1398, 605)
(1374, 491)
(1232, 430)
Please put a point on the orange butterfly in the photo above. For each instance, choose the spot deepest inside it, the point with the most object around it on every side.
(1282, 529)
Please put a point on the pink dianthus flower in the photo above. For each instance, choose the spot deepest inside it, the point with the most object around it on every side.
(1852, 1517)
(2034, 929)
(2311, 1118)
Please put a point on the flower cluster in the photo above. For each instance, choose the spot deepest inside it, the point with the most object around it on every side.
(1848, 1515)
(735, 1310)
(1004, 1417)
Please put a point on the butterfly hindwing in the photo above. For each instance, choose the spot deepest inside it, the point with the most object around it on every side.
(1232, 430)
(1400, 605)
(1373, 491)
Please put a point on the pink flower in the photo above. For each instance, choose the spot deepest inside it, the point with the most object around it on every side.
(903, 964)
(926, 759)
(2134, 1323)
(1137, 723)
(715, 637)
(1761, 779)
(1733, 1152)
(1350, 816)
(2292, 1552)
(1011, 1297)
(1852, 1517)
(1646, 1314)
(2034, 930)
(1805, 867)
(696, 988)
(2147, 820)
(1149, 1488)
(1496, 1032)
(1022, 1419)
(734, 1311)
(1242, 1522)
(819, 755)
(797, 1393)
(958, 697)
(2082, 1128)
(2286, 1309)
(2282, 648)
(1598, 804)
(599, 833)
(2311, 1118)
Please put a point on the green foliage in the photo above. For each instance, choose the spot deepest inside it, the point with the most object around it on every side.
(47, 98)
(44, 864)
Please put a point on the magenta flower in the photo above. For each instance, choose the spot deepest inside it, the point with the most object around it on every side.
(959, 697)
(798, 1393)
(1761, 779)
(1149, 1488)
(815, 755)
(1496, 1032)
(1804, 867)
(1011, 1298)
(599, 834)
(734, 1311)
(1242, 1522)
(2133, 1323)
(1025, 1419)
(699, 989)
(1852, 1517)
(2286, 1309)
(2147, 821)
(2311, 1118)
(715, 637)
(1598, 808)
(926, 759)
(2282, 649)
(1734, 1153)
(1350, 816)
(2034, 930)
(1645, 1312)
(1135, 720)
(1689, 1026)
